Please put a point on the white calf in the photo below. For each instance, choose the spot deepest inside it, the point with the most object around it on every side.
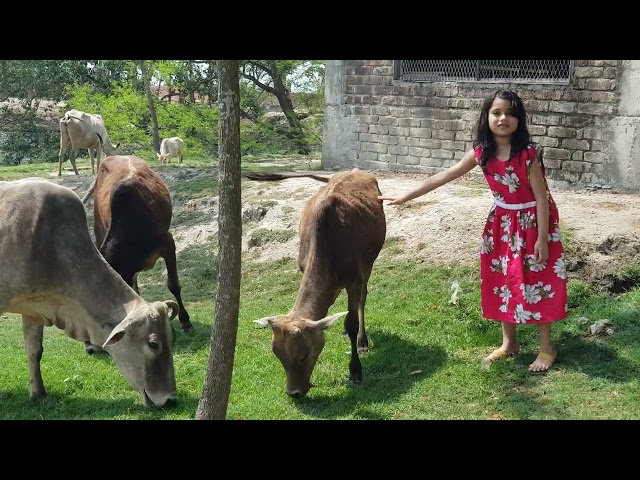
(171, 147)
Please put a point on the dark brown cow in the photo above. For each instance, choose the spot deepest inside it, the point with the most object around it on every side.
(132, 215)
(342, 230)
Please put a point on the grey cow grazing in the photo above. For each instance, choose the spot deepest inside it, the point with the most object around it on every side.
(342, 230)
(52, 274)
(84, 130)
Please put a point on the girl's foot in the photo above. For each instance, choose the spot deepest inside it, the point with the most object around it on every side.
(497, 355)
(543, 362)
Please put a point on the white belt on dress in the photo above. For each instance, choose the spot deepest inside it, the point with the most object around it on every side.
(514, 206)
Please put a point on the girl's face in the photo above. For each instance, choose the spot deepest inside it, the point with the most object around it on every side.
(501, 122)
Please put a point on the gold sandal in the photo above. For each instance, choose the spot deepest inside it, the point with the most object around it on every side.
(494, 356)
(543, 356)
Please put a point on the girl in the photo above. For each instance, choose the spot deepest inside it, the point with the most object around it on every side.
(522, 272)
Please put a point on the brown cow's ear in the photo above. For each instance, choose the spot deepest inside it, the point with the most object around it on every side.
(326, 322)
(263, 322)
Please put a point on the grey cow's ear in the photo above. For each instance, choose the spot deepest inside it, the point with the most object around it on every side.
(263, 322)
(173, 307)
(117, 333)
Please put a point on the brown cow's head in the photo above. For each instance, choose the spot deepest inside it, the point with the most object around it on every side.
(298, 342)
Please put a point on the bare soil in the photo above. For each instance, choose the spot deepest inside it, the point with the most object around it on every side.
(601, 227)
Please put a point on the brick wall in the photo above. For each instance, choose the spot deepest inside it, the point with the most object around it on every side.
(427, 126)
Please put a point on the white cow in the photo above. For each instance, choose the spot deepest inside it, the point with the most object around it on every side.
(171, 147)
(52, 274)
(84, 130)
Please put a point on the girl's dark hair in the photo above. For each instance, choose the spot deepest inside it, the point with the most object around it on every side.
(520, 138)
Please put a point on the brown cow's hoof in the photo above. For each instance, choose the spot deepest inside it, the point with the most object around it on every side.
(188, 329)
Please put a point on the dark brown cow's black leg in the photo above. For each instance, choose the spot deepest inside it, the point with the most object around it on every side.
(169, 255)
(351, 327)
(363, 341)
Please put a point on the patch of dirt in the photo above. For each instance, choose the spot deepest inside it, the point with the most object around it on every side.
(602, 226)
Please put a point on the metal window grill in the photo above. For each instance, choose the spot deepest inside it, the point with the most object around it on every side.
(521, 71)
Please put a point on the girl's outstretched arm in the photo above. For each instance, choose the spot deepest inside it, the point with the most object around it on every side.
(465, 165)
(541, 248)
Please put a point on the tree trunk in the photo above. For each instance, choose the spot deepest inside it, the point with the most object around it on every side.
(217, 385)
(286, 105)
(152, 105)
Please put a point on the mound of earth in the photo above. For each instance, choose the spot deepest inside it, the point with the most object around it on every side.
(600, 226)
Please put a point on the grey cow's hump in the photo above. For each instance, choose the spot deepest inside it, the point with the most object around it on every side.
(35, 183)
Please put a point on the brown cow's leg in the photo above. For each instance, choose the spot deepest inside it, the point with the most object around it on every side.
(169, 255)
(32, 332)
(351, 327)
(363, 341)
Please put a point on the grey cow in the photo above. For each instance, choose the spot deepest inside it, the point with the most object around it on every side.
(84, 130)
(52, 274)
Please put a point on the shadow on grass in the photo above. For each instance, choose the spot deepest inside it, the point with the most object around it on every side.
(521, 395)
(386, 375)
(15, 405)
(596, 358)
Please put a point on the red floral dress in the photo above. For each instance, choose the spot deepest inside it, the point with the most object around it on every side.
(515, 288)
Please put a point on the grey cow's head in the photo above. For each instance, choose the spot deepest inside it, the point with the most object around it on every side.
(141, 347)
(297, 342)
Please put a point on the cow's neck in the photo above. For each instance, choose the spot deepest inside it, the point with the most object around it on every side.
(317, 291)
(86, 306)
(109, 148)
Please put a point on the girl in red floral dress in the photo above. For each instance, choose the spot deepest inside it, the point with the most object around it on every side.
(522, 273)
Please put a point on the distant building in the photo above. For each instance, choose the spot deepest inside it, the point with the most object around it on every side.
(419, 115)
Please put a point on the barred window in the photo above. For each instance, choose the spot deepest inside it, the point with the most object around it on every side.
(520, 71)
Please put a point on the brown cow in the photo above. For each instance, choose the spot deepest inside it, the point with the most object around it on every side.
(52, 274)
(132, 215)
(342, 230)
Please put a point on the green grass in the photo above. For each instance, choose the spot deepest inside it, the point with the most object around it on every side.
(423, 363)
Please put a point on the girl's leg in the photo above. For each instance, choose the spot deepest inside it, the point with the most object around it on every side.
(547, 354)
(509, 345)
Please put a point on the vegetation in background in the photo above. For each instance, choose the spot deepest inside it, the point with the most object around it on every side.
(184, 94)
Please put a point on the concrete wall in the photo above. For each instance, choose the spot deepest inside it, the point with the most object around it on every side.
(590, 128)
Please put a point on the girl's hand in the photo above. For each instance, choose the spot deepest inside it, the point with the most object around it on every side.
(541, 250)
(394, 200)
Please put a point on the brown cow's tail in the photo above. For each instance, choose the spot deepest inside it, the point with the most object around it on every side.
(88, 195)
(281, 176)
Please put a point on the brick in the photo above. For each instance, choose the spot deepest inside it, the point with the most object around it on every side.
(572, 166)
(400, 131)
(595, 157)
(557, 153)
(419, 152)
(398, 150)
(561, 132)
(574, 144)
